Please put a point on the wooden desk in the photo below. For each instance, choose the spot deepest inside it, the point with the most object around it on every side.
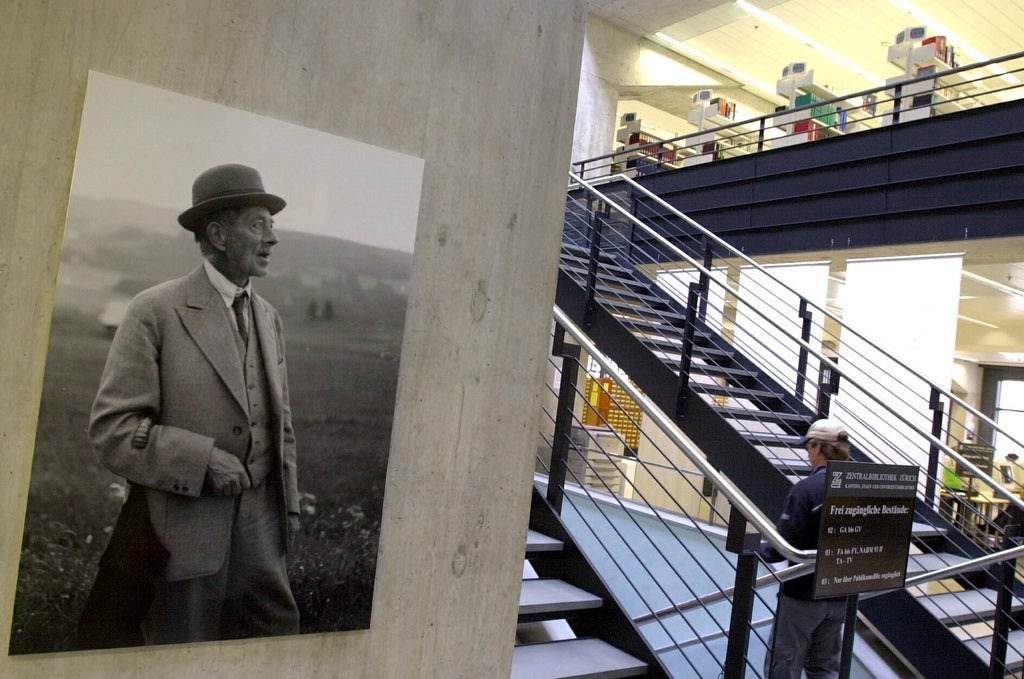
(974, 513)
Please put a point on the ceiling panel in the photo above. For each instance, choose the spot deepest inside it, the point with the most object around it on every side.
(859, 32)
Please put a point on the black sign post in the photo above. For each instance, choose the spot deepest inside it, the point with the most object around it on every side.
(866, 523)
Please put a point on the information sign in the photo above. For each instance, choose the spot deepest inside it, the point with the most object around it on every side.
(866, 523)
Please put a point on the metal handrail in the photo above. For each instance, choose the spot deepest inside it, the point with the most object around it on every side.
(752, 263)
(761, 121)
(830, 363)
(805, 559)
(729, 490)
(739, 502)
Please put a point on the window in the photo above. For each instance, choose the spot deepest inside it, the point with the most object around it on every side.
(1009, 415)
(1002, 399)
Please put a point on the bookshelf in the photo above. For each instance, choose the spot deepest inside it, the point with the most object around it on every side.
(707, 145)
(797, 85)
(916, 54)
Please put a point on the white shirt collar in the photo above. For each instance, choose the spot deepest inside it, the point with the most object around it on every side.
(225, 288)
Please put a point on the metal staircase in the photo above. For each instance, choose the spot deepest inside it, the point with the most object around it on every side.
(961, 613)
(559, 584)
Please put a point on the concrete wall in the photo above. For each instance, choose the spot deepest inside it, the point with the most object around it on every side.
(485, 93)
(618, 65)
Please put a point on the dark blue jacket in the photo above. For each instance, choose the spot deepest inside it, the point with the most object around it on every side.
(799, 525)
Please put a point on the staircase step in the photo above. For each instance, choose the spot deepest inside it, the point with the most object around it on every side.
(772, 439)
(538, 542)
(613, 284)
(791, 466)
(972, 605)
(631, 303)
(667, 325)
(760, 396)
(583, 253)
(923, 532)
(923, 563)
(579, 259)
(982, 647)
(672, 344)
(764, 416)
(574, 658)
(546, 598)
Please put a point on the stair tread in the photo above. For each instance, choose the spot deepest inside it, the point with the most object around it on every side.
(574, 658)
(921, 563)
(761, 415)
(671, 347)
(982, 647)
(966, 606)
(578, 264)
(666, 325)
(550, 595)
(538, 542)
(740, 392)
(770, 439)
(624, 302)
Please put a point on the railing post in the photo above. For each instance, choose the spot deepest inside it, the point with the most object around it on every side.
(686, 348)
(742, 544)
(828, 386)
(562, 438)
(705, 278)
(1004, 602)
(597, 219)
(936, 406)
(760, 134)
(896, 104)
(801, 363)
(849, 634)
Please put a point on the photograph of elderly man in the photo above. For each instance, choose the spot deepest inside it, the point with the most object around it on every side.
(193, 412)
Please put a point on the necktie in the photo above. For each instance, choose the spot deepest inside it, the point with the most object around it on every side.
(241, 299)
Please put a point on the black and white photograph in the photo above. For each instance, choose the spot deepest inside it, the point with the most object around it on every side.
(211, 451)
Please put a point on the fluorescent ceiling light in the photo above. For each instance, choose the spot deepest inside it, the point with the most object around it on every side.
(807, 40)
(1011, 355)
(961, 45)
(707, 60)
(1008, 289)
(975, 320)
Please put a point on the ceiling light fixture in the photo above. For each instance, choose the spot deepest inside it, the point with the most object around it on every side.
(1008, 289)
(975, 320)
(742, 78)
(807, 40)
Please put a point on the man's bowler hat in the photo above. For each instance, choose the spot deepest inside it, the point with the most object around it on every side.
(227, 186)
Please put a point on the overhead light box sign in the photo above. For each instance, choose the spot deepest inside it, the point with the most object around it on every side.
(866, 523)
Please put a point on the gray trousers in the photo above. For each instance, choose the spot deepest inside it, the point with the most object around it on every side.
(807, 635)
(248, 597)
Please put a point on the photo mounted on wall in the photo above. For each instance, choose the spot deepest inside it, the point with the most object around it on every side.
(216, 413)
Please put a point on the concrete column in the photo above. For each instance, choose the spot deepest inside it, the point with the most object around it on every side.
(485, 94)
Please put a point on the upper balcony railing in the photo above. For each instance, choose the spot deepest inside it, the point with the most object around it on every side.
(931, 93)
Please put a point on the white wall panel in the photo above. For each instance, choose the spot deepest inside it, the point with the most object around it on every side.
(907, 307)
(776, 292)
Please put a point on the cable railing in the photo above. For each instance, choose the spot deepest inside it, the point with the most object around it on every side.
(676, 552)
(656, 244)
(673, 566)
(932, 93)
(615, 231)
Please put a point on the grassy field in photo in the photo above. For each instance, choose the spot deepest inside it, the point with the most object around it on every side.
(342, 377)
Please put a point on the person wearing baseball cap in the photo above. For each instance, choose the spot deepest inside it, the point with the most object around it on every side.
(193, 410)
(807, 633)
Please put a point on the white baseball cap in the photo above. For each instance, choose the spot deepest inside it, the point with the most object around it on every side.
(825, 430)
